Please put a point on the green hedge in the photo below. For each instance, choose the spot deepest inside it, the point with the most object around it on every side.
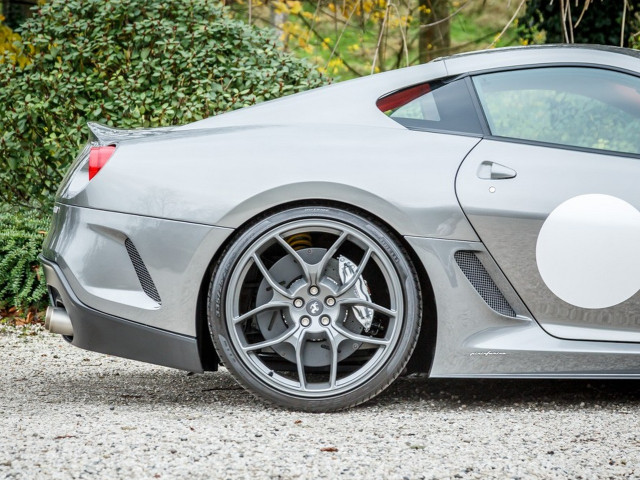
(127, 63)
(21, 278)
(124, 63)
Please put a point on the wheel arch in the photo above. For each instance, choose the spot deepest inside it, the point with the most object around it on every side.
(423, 354)
(342, 195)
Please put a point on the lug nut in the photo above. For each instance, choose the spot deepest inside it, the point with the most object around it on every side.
(330, 301)
(298, 302)
(314, 290)
(305, 321)
(324, 320)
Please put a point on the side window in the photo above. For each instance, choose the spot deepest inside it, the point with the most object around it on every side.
(577, 107)
(433, 106)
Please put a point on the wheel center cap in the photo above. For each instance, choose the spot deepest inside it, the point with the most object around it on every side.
(314, 308)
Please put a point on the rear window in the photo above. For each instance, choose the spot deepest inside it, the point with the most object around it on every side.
(441, 106)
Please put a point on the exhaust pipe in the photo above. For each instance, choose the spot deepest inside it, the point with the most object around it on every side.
(57, 321)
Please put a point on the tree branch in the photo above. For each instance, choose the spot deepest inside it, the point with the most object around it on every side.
(515, 14)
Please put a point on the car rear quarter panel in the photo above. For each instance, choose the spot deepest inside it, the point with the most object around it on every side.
(224, 177)
(89, 247)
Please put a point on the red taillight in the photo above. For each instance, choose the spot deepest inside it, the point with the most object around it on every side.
(98, 157)
(398, 99)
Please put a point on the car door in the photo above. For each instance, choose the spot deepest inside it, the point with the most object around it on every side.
(553, 192)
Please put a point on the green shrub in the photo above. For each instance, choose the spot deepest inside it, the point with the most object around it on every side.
(22, 282)
(126, 63)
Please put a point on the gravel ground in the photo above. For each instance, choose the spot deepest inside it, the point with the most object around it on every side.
(69, 413)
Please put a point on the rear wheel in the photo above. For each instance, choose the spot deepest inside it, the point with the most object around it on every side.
(315, 309)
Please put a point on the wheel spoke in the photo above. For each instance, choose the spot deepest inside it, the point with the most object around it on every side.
(269, 343)
(328, 255)
(270, 280)
(333, 372)
(361, 338)
(296, 256)
(299, 345)
(260, 309)
(371, 305)
(347, 286)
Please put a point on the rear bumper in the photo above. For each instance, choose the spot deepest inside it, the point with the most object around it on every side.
(104, 333)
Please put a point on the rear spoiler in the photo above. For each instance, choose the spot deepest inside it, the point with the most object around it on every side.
(103, 135)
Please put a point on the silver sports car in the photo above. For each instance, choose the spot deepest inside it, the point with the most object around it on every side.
(476, 216)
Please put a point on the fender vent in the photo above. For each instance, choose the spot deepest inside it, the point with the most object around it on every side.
(141, 270)
(482, 282)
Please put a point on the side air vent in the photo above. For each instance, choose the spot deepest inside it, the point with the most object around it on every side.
(141, 270)
(482, 282)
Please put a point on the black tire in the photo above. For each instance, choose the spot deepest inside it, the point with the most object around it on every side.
(358, 323)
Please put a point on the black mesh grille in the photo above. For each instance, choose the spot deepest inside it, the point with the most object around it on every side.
(482, 282)
(141, 270)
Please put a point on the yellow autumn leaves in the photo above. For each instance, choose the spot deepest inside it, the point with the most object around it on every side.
(334, 32)
(10, 46)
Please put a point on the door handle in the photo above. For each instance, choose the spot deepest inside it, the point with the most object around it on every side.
(494, 171)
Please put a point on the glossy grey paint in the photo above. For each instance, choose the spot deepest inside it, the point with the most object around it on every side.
(225, 169)
(475, 341)
(506, 58)
(509, 220)
(88, 247)
(172, 193)
(226, 176)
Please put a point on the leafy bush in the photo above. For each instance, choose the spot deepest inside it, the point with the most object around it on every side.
(21, 278)
(126, 63)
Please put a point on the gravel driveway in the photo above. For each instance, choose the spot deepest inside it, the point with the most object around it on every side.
(68, 413)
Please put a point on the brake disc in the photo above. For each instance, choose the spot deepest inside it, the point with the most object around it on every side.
(317, 351)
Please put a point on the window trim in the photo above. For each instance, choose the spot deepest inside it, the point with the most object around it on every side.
(484, 123)
(442, 131)
(538, 143)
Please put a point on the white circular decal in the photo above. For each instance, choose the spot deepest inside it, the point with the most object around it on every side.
(588, 251)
